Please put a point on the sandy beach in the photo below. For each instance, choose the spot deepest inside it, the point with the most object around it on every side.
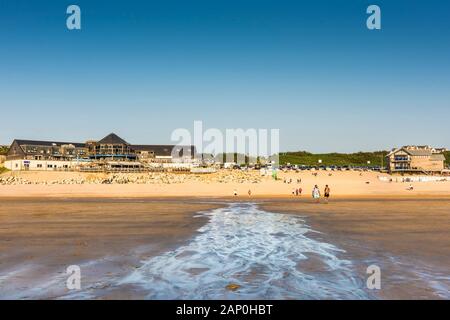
(137, 225)
(220, 184)
(40, 238)
(408, 239)
(161, 238)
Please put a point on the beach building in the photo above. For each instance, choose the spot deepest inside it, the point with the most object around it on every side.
(416, 159)
(111, 153)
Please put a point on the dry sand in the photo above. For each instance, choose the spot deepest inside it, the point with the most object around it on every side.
(342, 184)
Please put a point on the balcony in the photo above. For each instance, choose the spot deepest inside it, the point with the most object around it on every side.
(401, 159)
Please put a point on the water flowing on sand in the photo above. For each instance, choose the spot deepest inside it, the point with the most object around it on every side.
(268, 255)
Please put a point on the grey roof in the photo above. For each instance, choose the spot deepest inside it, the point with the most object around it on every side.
(163, 150)
(418, 152)
(112, 138)
(47, 143)
(159, 150)
(437, 157)
(412, 152)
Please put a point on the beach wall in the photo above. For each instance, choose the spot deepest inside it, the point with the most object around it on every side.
(414, 179)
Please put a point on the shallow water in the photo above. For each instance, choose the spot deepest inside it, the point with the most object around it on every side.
(268, 255)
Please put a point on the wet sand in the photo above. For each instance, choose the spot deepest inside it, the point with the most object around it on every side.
(408, 239)
(40, 238)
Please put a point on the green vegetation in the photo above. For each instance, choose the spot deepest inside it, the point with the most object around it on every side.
(447, 158)
(360, 159)
(3, 150)
(3, 169)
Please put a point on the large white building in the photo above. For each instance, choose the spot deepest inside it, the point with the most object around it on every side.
(110, 153)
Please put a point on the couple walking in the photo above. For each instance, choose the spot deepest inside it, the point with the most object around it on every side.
(316, 193)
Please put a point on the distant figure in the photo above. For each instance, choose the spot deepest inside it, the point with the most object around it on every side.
(249, 192)
(235, 192)
(300, 191)
(326, 193)
(410, 188)
(296, 192)
(293, 191)
(316, 193)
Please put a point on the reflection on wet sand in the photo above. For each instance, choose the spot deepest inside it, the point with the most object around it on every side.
(408, 239)
(185, 248)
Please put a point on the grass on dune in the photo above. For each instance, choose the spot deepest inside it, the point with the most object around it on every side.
(334, 159)
(359, 159)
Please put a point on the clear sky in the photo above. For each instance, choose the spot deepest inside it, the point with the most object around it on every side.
(310, 68)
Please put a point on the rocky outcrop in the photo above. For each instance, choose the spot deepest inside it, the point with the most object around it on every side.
(224, 176)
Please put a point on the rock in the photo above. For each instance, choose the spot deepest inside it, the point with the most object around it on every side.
(232, 287)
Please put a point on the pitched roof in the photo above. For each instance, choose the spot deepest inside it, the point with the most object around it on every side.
(412, 152)
(112, 138)
(393, 151)
(47, 143)
(419, 152)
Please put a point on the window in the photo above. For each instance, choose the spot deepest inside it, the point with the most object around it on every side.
(401, 158)
(49, 166)
(39, 165)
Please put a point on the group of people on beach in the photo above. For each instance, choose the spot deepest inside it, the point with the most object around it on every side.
(289, 181)
(316, 193)
(297, 191)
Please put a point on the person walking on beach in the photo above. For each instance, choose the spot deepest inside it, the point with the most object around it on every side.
(235, 192)
(316, 194)
(249, 192)
(326, 193)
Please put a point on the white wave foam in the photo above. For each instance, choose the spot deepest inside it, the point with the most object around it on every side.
(265, 253)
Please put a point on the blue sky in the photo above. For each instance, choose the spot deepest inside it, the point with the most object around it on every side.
(310, 68)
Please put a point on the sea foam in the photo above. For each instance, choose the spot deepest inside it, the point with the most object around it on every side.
(268, 255)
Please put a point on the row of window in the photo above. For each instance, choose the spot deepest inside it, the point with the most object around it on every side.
(50, 166)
